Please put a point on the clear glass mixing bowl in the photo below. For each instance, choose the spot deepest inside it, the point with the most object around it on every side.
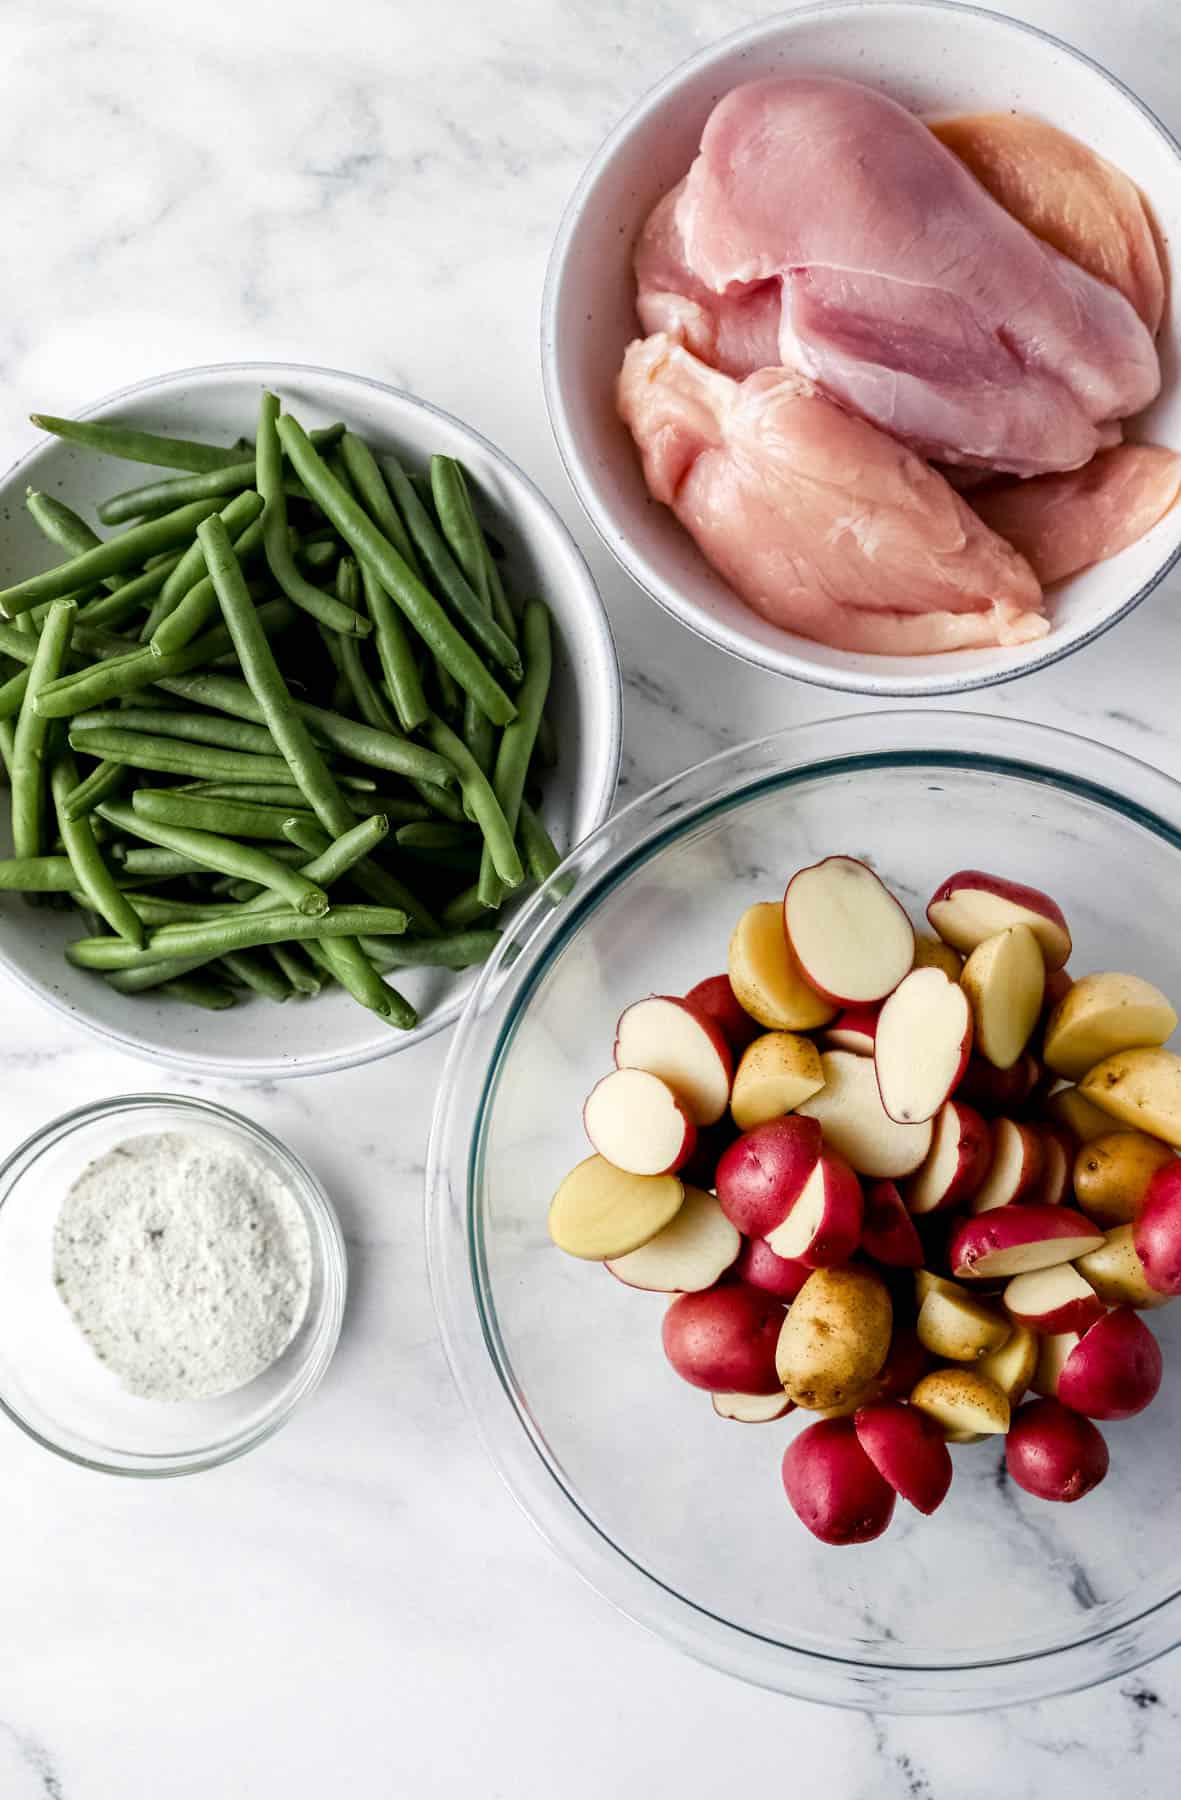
(676, 1516)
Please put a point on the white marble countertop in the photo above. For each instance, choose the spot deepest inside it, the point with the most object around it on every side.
(359, 1607)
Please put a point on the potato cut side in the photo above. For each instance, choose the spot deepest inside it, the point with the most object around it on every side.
(600, 1211)
(1005, 980)
(767, 980)
(962, 1400)
(932, 953)
(851, 937)
(1116, 1273)
(667, 1037)
(955, 1165)
(1142, 1088)
(959, 1327)
(856, 1124)
(692, 1252)
(973, 905)
(1012, 1366)
(1017, 1158)
(1067, 1106)
(636, 1121)
(777, 1072)
(922, 1044)
(752, 1409)
(1101, 1014)
(1012, 1240)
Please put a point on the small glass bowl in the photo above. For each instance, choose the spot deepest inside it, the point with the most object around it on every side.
(680, 1518)
(53, 1385)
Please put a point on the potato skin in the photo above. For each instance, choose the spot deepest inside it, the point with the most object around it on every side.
(1112, 1172)
(835, 1338)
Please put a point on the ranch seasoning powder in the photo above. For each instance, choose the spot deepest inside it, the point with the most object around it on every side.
(184, 1262)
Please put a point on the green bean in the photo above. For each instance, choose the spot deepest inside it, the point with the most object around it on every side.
(157, 863)
(451, 696)
(129, 671)
(452, 846)
(94, 879)
(29, 791)
(460, 950)
(376, 749)
(296, 744)
(12, 694)
(480, 797)
(464, 910)
(346, 960)
(37, 875)
(116, 608)
(210, 995)
(193, 727)
(7, 740)
(516, 745)
(547, 744)
(63, 527)
(20, 645)
(371, 489)
(256, 973)
(146, 447)
(298, 971)
(214, 851)
(350, 661)
(112, 557)
(288, 796)
(402, 679)
(380, 886)
(319, 555)
(157, 909)
(449, 577)
(276, 542)
(457, 522)
(244, 931)
(537, 847)
(334, 858)
(368, 544)
(169, 806)
(175, 756)
(180, 488)
(187, 601)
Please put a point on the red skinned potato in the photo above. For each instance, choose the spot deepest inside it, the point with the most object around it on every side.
(1015, 1168)
(668, 1037)
(833, 1487)
(1054, 1453)
(853, 1029)
(850, 936)
(888, 1234)
(955, 1165)
(1156, 1232)
(1114, 1370)
(999, 1090)
(922, 1044)
(907, 1450)
(1010, 1240)
(636, 1121)
(1053, 1300)
(759, 1266)
(724, 1340)
(760, 1177)
(717, 1000)
(972, 905)
(752, 1409)
(823, 1227)
(1055, 1186)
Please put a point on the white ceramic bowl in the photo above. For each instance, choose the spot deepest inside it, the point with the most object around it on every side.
(256, 1041)
(936, 59)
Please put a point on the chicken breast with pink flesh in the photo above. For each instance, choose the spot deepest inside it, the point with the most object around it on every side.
(1067, 196)
(909, 294)
(736, 332)
(1063, 523)
(820, 522)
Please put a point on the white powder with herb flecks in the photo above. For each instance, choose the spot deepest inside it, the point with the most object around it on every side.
(184, 1262)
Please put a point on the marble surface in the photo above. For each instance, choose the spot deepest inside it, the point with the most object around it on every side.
(359, 1606)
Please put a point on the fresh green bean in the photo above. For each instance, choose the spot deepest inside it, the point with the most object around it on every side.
(112, 557)
(363, 797)
(537, 847)
(436, 834)
(63, 527)
(368, 544)
(516, 745)
(346, 960)
(20, 645)
(155, 863)
(12, 694)
(482, 800)
(451, 696)
(37, 875)
(370, 487)
(319, 555)
(176, 756)
(193, 727)
(157, 909)
(146, 447)
(402, 679)
(94, 880)
(464, 910)
(187, 601)
(7, 740)
(256, 973)
(209, 995)
(349, 658)
(115, 609)
(460, 950)
(296, 744)
(276, 542)
(169, 806)
(29, 789)
(376, 749)
(164, 495)
(214, 851)
(297, 970)
(332, 859)
(373, 880)
(457, 522)
(243, 931)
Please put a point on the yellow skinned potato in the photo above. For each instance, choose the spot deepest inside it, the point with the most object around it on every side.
(1067, 1106)
(600, 1211)
(835, 1338)
(960, 1328)
(777, 1072)
(767, 980)
(1103, 1014)
(1012, 1367)
(962, 1400)
(933, 953)
(1112, 1172)
(1116, 1273)
(1141, 1088)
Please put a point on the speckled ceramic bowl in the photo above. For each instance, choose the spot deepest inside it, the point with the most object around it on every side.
(936, 59)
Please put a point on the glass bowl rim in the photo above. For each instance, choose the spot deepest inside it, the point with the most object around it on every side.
(328, 1251)
(1111, 778)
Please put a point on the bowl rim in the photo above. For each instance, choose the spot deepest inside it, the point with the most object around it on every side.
(608, 735)
(328, 1248)
(1041, 654)
(500, 1410)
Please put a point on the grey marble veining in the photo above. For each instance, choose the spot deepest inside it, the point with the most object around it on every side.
(360, 1607)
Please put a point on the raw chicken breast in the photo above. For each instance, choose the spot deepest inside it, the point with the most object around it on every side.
(909, 294)
(818, 520)
(1063, 523)
(1068, 197)
(736, 332)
